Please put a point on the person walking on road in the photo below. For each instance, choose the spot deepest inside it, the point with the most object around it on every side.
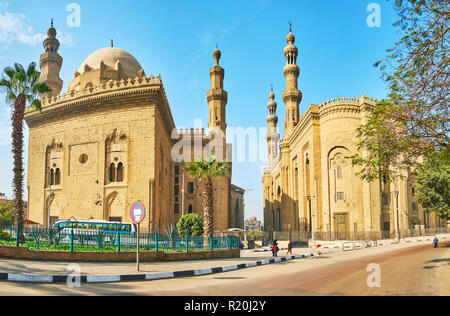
(275, 249)
(289, 250)
(435, 242)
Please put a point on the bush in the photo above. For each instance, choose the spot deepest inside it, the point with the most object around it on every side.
(190, 225)
(6, 214)
(4, 235)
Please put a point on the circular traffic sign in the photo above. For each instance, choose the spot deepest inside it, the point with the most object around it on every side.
(137, 212)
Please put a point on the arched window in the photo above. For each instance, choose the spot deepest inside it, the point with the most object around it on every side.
(120, 172)
(112, 172)
(52, 177)
(57, 177)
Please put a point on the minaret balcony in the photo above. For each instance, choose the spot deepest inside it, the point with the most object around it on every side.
(217, 95)
(291, 70)
(292, 95)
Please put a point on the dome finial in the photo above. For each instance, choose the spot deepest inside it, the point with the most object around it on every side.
(51, 23)
(112, 43)
(217, 54)
(290, 27)
(271, 94)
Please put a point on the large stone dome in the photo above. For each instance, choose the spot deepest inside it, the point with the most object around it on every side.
(110, 56)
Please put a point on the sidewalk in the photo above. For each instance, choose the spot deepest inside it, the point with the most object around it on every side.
(59, 268)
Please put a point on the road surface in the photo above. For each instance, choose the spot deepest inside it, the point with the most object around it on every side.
(404, 270)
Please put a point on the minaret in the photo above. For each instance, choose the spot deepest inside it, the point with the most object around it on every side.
(291, 96)
(217, 97)
(51, 62)
(272, 121)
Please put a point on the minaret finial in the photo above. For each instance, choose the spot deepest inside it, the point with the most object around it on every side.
(112, 43)
(52, 22)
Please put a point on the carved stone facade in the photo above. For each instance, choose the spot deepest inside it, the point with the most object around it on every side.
(107, 142)
(311, 185)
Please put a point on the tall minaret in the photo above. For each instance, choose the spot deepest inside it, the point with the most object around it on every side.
(291, 96)
(272, 121)
(217, 97)
(51, 62)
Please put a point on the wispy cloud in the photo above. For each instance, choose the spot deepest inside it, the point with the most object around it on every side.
(215, 33)
(16, 27)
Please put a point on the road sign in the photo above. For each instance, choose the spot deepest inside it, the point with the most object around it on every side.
(137, 215)
(137, 212)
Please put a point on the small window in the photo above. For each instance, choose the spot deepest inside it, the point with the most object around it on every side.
(339, 172)
(57, 177)
(83, 159)
(177, 170)
(52, 177)
(190, 187)
(413, 191)
(176, 208)
(120, 172)
(385, 199)
(177, 180)
(414, 207)
(177, 190)
(340, 196)
(190, 209)
(115, 219)
(112, 173)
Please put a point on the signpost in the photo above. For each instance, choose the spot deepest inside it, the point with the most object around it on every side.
(137, 215)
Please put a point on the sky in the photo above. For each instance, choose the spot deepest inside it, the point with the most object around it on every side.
(337, 50)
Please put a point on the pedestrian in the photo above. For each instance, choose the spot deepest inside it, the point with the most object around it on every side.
(275, 249)
(289, 250)
(435, 242)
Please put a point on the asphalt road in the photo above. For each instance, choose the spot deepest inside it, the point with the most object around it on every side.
(412, 270)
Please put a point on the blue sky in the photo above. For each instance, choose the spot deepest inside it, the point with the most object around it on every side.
(337, 50)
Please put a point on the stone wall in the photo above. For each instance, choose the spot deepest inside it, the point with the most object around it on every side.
(24, 253)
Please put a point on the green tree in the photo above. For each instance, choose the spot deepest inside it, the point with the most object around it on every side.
(205, 171)
(22, 89)
(413, 121)
(433, 184)
(190, 225)
(6, 215)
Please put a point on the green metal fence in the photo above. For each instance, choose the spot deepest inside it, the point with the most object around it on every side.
(79, 240)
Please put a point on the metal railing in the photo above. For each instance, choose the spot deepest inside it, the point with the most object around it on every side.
(79, 240)
(305, 236)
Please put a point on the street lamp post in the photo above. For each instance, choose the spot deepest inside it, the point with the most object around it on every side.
(49, 196)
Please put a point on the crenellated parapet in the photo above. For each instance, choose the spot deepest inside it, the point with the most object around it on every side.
(111, 85)
(192, 133)
(346, 104)
(349, 101)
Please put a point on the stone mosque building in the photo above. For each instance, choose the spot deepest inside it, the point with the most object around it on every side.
(310, 183)
(107, 142)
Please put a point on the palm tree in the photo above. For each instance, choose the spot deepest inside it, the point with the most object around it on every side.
(205, 171)
(22, 87)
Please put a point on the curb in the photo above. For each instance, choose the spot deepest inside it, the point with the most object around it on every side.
(49, 279)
